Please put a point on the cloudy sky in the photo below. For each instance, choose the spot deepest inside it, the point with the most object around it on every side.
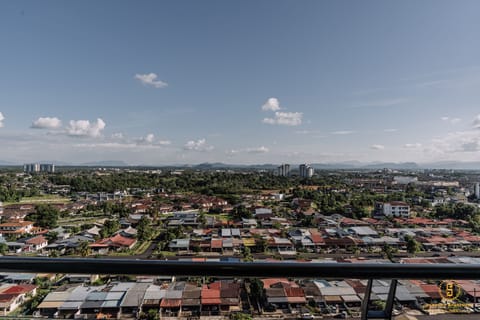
(239, 81)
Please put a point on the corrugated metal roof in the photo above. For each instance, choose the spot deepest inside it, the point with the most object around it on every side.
(71, 305)
(114, 295)
(351, 298)
(173, 294)
(80, 293)
(96, 296)
(92, 304)
(135, 295)
(50, 305)
(277, 300)
(171, 303)
(155, 294)
(57, 296)
(122, 286)
(190, 302)
(111, 304)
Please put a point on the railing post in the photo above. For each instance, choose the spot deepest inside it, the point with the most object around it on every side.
(386, 313)
(391, 298)
(366, 299)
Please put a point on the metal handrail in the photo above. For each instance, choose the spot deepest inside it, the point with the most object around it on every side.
(240, 269)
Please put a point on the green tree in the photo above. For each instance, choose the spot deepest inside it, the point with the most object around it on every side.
(84, 249)
(3, 248)
(240, 212)
(109, 228)
(45, 216)
(240, 316)
(256, 290)
(247, 254)
(412, 245)
(144, 229)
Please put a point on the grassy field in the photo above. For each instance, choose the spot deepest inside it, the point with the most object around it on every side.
(136, 250)
(49, 198)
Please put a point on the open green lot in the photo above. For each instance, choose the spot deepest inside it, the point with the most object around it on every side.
(49, 198)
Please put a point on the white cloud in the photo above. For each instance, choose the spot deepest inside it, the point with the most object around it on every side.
(150, 79)
(83, 128)
(461, 141)
(390, 130)
(148, 138)
(451, 120)
(256, 150)
(476, 122)
(272, 104)
(285, 118)
(47, 123)
(164, 142)
(377, 147)
(198, 145)
(261, 149)
(117, 135)
(1, 119)
(412, 145)
(342, 132)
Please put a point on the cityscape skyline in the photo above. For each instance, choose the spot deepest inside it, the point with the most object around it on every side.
(241, 83)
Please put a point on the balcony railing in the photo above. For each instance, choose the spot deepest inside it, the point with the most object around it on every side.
(241, 269)
(368, 271)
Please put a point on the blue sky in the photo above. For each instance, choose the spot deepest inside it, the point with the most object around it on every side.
(239, 81)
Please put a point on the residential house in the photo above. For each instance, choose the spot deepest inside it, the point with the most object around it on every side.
(13, 295)
(283, 294)
(116, 243)
(179, 245)
(16, 227)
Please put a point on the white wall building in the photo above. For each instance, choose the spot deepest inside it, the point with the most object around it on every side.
(306, 171)
(396, 209)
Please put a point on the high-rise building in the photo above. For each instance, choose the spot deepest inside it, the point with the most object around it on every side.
(306, 171)
(36, 167)
(283, 170)
(47, 167)
(31, 167)
(310, 172)
(476, 190)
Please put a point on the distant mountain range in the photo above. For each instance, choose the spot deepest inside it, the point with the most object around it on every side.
(449, 165)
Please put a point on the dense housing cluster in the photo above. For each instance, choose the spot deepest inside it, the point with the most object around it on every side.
(381, 216)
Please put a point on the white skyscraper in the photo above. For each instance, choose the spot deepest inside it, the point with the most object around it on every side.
(306, 171)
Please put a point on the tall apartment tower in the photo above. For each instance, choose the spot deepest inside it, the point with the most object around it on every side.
(31, 167)
(306, 171)
(476, 190)
(283, 170)
(36, 167)
(47, 167)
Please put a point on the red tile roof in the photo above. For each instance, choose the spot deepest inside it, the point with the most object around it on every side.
(294, 292)
(210, 296)
(216, 244)
(7, 297)
(171, 303)
(17, 289)
(267, 283)
(36, 240)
